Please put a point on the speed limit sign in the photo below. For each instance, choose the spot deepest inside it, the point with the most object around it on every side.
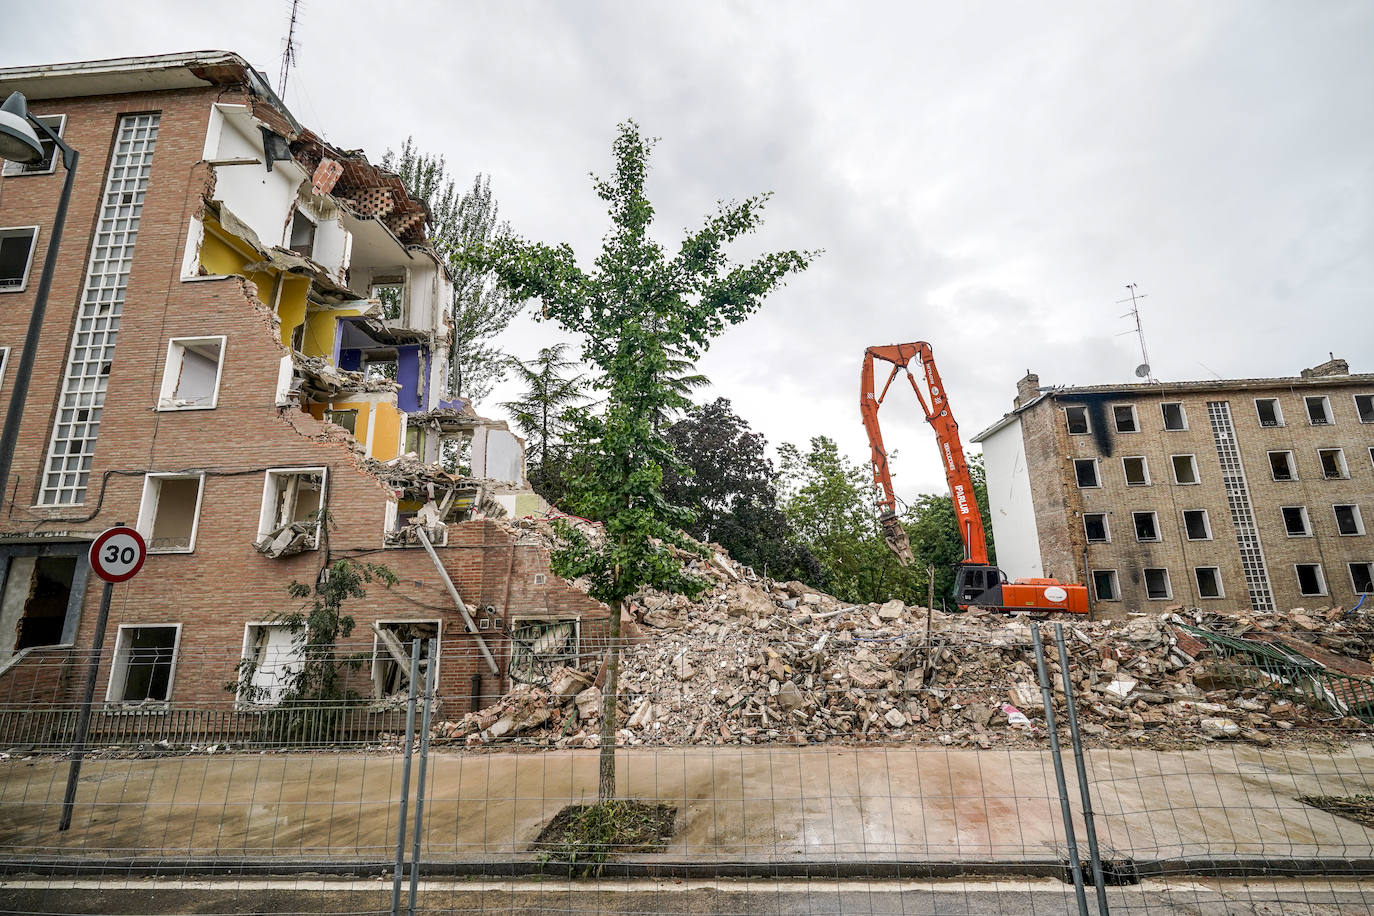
(118, 554)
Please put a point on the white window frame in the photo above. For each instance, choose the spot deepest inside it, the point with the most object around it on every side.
(1106, 529)
(1221, 589)
(1306, 522)
(1278, 414)
(248, 628)
(1192, 460)
(393, 514)
(1206, 524)
(1292, 465)
(147, 508)
(8, 231)
(377, 642)
(1144, 466)
(1359, 520)
(176, 350)
(1340, 464)
(120, 661)
(1159, 535)
(1356, 399)
(1326, 409)
(1116, 585)
(1164, 417)
(19, 169)
(517, 622)
(267, 517)
(1321, 580)
(1350, 568)
(1135, 420)
(1097, 474)
(4, 364)
(1087, 419)
(1168, 583)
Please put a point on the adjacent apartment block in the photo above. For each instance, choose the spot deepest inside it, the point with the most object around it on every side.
(244, 355)
(1251, 493)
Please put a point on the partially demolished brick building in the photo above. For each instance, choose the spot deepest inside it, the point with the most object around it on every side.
(245, 355)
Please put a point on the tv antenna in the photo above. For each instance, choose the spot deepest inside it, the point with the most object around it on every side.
(1143, 370)
(288, 54)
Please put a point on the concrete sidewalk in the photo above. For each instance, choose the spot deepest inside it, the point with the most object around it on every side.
(735, 805)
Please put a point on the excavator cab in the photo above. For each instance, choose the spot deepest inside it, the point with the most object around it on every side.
(978, 585)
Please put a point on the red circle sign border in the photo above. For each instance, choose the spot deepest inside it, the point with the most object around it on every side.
(99, 542)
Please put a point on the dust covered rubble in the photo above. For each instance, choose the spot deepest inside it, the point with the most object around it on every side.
(754, 662)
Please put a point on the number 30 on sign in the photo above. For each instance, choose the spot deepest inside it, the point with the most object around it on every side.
(118, 554)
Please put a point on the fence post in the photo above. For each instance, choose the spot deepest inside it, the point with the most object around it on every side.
(405, 779)
(430, 664)
(1078, 759)
(1075, 867)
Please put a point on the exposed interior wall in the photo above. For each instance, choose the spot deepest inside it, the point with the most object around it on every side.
(257, 197)
(497, 454)
(1009, 501)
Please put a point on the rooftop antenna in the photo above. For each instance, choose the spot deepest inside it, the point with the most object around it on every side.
(288, 54)
(1143, 370)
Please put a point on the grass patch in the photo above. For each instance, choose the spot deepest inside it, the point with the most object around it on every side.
(1357, 808)
(585, 836)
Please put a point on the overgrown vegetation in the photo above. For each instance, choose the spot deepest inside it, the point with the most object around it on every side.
(586, 836)
(1357, 808)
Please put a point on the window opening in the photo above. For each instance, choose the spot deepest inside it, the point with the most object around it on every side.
(48, 164)
(16, 257)
(144, 660)
(1318, 411)
(302, 234)
(1362, 578)
(348, 419)
(1146, 526)
(1197, 524)
(4, 364)
(1124, 415)
(539, 647)
(1157, 585)
(1185, 469)
(1270, 414)
(1295, 521)
(273, 654)
(1095, 527)
(1348, 520)
(1310, 579)
(34, 606)
(1208, 582)
(1174, 417)
(1364, 407)
(1281, 466)
(391, 653)
(429, 508)
(1105, 586)
(390, 292)
(1077, 420)
(291, 512)
(1085, 470)
(169, 511)
(191, 377)
(1137, 474)
(1333, 463)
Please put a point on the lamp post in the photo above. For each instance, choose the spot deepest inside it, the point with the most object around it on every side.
(19, 142)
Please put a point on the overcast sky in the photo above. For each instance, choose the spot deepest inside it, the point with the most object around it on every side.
(986, 177)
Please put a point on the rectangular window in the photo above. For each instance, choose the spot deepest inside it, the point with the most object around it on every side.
(1362, 578)
(1270, 414)
(273, 657)
(1137, 473)
(391, 645)
(1348, 520)
(302, 239)
(190, 378)
(1310, 579)
(169, 512)
(390, 292)
(1174, 417)
(1185, 468)
(1085, 472)
(1333, 463)
(4, 364)
(144, 662)
(1282, 466)
(1318, 411)
(1197, 524)
(1124, 416)
(1095, 527)
(1157, 587)
(1077, 420)
(539, 647)
(1364, 407)
(348, 419)
(16, 257)
(291, 516)
(1104, 585)
(48, 164)
(1295, 521)
(1146, 526)
(1208, 582)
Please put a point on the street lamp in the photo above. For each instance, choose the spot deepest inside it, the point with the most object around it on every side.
(20, 143)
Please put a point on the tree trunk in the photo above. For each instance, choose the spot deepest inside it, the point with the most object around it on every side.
(605, 785)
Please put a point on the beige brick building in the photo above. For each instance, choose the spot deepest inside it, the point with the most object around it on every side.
(1218, 494)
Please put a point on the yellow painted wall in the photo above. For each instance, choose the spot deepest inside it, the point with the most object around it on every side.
(291, 308)
(383, 419)
(222, 255)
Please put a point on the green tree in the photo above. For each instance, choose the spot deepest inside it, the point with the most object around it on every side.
(682, 377)
(634, 307)
(544, 412)
(462, 225)
(933, 530)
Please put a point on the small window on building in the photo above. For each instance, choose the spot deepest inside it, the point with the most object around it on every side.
(1362, 578)
(190, 379)
(1077, 420)
(302, 235)
(1310, 579)
(273, 657)
(4, 364)
(1364, 407)
(298, 338)
(1185, 469)
(1137, 473)
(1124, 415)
(1157, 587)
(348, 419)
(1270, 414)
(539, 647)
(1348, 520)
(291, 516)
(169, 512)
(144, 661)
(1174, 417)
(1197, 524)
(48, 164)
(392, 641)
(1085, 471)
(1095, 527)
(1282, 466)
(1295, 521)
(1208, 582)
(16, 257)
(1333, 463)
(1104, 585)
(1146, 526)
(1318, 411)
(427, 510)
(390, 292)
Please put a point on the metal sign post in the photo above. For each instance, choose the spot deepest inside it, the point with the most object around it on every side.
(116, 556)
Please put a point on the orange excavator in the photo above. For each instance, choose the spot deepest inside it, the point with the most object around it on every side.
(976, 582)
